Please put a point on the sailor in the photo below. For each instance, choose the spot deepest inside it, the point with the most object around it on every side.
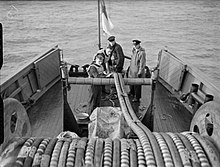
(96, 70)
(137, 68)
(106, 53)
(117, 55)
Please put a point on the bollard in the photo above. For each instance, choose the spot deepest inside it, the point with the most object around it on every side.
(74, 67)
(208, 97)
(85, 67)
(194, 89)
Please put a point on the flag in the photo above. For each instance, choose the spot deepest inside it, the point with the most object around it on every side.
(107, 25)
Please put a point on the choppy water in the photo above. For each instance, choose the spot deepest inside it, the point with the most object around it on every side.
(190, 28)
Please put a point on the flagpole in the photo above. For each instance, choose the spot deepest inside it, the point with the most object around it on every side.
(99, 32)
(1, 99)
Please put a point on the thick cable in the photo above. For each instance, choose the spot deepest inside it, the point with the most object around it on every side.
(72, 153)
(90, 151)
(173, 150)
(181, 149)
(164, 150)
(23, 153)
(200, 153)
(45, 161)
(108, 151)
(40, 151)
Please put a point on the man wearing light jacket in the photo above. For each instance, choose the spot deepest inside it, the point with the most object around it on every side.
(137, 68)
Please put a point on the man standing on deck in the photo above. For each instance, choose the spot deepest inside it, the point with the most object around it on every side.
(117, 55)
(96, 70)
(137, 68)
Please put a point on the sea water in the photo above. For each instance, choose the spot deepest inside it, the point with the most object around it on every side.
(191, 29)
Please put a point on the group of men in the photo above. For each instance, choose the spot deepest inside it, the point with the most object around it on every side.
(111, 60)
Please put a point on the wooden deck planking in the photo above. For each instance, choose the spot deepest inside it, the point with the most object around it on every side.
(71, 96)
(158, 126)
(145, 102)
(163, 116)
(167, 116)
(146, 95)
(78, 89)
(74, 96)
(46, 116)
(170, 114)
(85, 93)
(181, 117)
(175, 114)
(79, 94)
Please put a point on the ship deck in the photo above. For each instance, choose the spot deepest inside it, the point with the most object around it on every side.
(46, 116)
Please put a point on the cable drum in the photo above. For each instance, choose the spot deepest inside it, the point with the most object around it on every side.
(16, 121)
(81, 152)
(206, 121)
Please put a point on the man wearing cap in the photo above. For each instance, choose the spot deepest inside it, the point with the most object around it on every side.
(137, 68)
(96, 70)
(117, 56)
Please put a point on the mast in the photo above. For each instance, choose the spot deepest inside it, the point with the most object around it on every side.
(99, 32)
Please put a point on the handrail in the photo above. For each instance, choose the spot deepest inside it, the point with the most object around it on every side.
(108, 81)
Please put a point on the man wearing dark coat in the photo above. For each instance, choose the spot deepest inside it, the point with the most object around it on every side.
(96, 70)
(117, 55)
